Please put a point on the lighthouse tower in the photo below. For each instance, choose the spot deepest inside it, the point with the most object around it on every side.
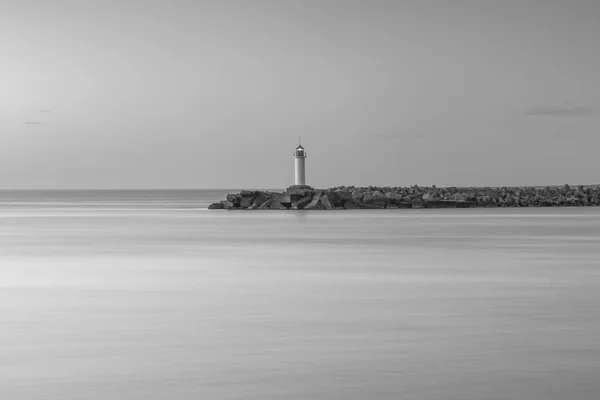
(299, 157)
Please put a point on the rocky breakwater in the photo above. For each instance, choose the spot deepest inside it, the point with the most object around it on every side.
(302, 197)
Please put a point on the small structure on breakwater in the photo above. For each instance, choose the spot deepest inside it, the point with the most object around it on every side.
(303, 197)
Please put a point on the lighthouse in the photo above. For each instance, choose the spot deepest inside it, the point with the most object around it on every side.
(299, 157)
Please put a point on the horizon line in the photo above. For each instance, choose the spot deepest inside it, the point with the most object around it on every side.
(267, 188)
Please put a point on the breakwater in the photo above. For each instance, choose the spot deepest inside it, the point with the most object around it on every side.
(302, 197)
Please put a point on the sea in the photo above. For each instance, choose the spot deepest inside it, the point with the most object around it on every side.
(149, 295)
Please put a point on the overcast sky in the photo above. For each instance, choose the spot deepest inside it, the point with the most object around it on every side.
(213, 94)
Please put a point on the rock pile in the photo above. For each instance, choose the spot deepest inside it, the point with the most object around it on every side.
(302, 197)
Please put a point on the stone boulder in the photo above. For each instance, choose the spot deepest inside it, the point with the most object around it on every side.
(227, 205)
(417, 203)
(315, 203)
(357, 196)
(287, 198)
(437, 203)
(350, 205)
(258, 201)
(326, 203)
(299, 204)
(458, 196)
(233, 198)
(248, 193)
(492, 194)
(393, 197)
(345, 195)
(378, 200)
(428, 196)
(334, 198)
(216, 206)
(316, 206)
(266, 205)
(246, 202)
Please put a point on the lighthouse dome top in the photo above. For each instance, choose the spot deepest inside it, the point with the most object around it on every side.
(299, 147)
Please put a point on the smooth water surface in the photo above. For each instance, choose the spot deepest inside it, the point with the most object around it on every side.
(148, 295)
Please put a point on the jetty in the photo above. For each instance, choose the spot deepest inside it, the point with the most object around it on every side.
(304, 197)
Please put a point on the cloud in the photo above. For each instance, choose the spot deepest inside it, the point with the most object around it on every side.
(38, 120)
(565, 110)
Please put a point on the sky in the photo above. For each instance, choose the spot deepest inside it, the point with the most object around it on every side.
(214, 94)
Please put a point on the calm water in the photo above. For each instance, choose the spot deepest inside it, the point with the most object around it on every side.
(146, 295)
